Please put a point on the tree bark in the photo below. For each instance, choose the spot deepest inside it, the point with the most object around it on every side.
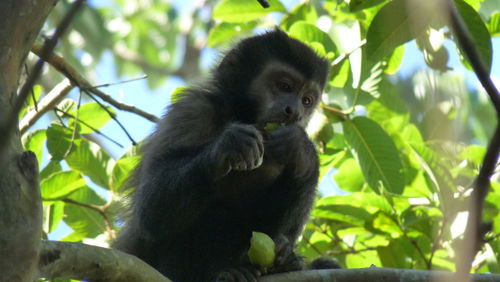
(20, 202)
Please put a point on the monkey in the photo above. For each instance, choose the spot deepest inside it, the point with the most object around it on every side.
(211, 173)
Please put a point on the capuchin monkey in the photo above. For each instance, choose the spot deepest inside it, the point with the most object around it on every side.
(213, 171)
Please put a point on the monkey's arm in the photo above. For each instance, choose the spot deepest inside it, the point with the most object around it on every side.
(194, 146)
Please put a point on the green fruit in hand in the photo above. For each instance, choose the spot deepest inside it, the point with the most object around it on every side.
(270, 126)
(262, 249)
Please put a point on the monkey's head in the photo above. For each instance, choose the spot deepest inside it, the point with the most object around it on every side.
(272, 78)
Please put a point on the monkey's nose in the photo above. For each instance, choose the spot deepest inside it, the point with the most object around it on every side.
(291, 113)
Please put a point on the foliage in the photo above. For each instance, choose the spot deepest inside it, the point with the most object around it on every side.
(403, 153)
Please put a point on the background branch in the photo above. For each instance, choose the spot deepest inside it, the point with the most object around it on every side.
(76, 78)
(48, 103)
(474, 232)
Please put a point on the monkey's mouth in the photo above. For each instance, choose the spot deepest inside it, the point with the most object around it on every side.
(270, 126)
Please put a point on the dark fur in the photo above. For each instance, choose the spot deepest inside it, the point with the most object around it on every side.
(189, 219)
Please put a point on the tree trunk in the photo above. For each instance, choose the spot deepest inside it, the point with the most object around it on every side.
(20, 203)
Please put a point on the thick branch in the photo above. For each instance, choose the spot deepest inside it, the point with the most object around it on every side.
(372, 274)
(85, 262)
(474, 230)
(76, 78)
(9, 125)
(20, 204)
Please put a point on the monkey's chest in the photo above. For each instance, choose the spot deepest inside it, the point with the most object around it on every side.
(240, 184)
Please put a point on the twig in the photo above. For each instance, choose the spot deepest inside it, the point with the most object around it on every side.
(98, 209)
(48, 47)
(339, 113)
(346, 55)
(264, 3)
(89, 126)
(75, 127)
(120, 82)
(48, 102)
(35, 102)
(112, 116)
(474, 231)
(77, 79)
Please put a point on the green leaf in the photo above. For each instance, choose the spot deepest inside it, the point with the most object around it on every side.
(369, 201)
(343, 213)
(302, 12)
(473, 153)
(51, 167)
(340, 74)
(376, 154)
(58, 141)
(224, 33)
(34, 141)
(60, 184)
(88, 158)
(391, 256)
(53, 213)
(85, 221)
(33, 98)
(94, 115)
(396, 23)
(309, 33)
(494, 24)
(395, 60)
(242, 11)
(478, 31)
(121, 172)
(177, 93)
(349, 176)
(358, 5)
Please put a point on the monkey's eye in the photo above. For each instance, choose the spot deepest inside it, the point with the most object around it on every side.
(307, 101)
(284, 86)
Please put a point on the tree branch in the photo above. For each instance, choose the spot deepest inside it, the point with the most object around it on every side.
(84, 262)
(49, 45)
(77, 79)
(98, 209)
(474, 230)
(371, 274)
(48, 103)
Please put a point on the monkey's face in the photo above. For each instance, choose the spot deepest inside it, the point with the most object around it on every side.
(284, 95)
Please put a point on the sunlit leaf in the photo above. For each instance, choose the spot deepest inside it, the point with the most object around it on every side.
(93, 115)
(226, 33)
(34, 141)
(494, 24)
(395, 60)
(51, 167)
(478, 31)
(376, 153)
(242, 11)
(88, 158)
(85, 221)
(58, 141)
(302, 12)
(309, 33)
(121, 172)
(396, 23)
(60, 184)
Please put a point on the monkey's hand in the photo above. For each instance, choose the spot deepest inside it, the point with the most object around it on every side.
(290, 146)
(240, 147)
